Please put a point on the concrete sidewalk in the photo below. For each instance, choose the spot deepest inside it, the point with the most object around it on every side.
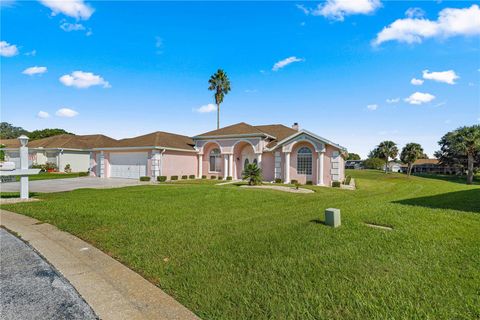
(111, 289)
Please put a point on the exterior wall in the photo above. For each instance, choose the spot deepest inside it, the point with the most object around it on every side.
(93, 164)
(302, 178)
(268, 166)
(177, 163)
(79, 161)
(206, 161)
(327, 176)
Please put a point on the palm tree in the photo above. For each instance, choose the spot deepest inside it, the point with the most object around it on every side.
(387, 149)
(410, 153)
(219, 83)
(253, 174)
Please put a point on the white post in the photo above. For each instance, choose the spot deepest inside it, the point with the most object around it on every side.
(230, 165)
(225, 167)
(259, 160)
(102, 172)
(287, 167)
(200, 166)
(321, 156)
(23, 166)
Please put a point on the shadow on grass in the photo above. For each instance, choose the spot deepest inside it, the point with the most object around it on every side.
(449, 178)
(318, 221)
(9, 195)
(466, 200)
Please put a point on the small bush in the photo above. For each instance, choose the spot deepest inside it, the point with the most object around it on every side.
(347, 180)
(161, 178)
(84, 174)
(184, 177)
(213, 177)
(204, 177)
(173, 178)
(220, 178)
(293, 181)
(309, 183)
(144, 178)
(229, 178)
(192, 176)
(50, 166)
(297, 185)
(336, 184)
(39, 166)
(68, 168)
(278, 180)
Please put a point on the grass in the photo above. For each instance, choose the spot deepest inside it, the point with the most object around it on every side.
(236, 253)
(48, 176)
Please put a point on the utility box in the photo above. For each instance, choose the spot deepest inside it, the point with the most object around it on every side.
(332, 217)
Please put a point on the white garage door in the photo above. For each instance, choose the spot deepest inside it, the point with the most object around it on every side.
(130, 165)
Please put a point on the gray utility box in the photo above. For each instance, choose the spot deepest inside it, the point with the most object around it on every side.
(332, 217)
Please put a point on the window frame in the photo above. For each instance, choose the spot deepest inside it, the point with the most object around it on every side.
(304, 161)
(215, 155)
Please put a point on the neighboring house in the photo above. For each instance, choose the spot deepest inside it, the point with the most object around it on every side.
(354, 164)
(281, 152)
(61, 150)
(394, 167)
(432, 166)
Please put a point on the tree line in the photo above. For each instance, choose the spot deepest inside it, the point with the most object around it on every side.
(9, 131)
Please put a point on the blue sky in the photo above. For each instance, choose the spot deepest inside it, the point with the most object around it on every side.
(128, 68)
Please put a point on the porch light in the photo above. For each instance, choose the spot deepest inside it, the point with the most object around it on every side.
(23, 140)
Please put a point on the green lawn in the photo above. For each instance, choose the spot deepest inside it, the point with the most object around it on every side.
(47, 176)
(234, 253)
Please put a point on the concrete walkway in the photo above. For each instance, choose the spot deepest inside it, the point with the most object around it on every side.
(111, 289)
(69, 184)
(32, 289)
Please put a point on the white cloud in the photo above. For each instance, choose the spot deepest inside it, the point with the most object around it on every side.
(7, 49)
(66, 113)
(43, 115)
(72, 8)
(415, 13)
(285, 62)
(440, 104)
(393, 100)
(416, 82)
(32, 53)
(419, 98)
(80, 79)
(372, 107)
(451, 22)
(34, 70)
(441, 76)
(207, 108)
(66, 26)
(338, 9)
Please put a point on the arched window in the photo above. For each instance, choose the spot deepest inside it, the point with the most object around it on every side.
(215, 160)
(304, 161)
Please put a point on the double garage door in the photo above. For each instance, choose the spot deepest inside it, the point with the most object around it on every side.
(130, 165)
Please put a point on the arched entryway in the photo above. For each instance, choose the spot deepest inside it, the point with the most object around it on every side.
(303, 165)
(243, 154)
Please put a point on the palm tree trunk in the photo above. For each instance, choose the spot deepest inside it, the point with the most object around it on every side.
(409, 169)
(470, 168)
(386, 165)
(218, 115)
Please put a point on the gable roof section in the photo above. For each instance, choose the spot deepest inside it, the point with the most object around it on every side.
(326, 141)
(237, 129)
(279, 131)
(66, 141)
(158, 139)
(10, 143)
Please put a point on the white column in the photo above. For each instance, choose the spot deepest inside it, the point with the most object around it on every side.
(321, 156)
(200, 166)
(155, 164)
(287, 167)
(230, 165)
(23, 179)
(225, 167)
(102, 170)
(259, 160)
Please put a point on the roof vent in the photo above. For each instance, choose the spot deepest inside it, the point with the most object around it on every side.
(295, 126)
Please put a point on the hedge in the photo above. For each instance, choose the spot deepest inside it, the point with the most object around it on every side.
(184, 177)
(161, 178)
(144, 178)
(192, 176)
(174, 178)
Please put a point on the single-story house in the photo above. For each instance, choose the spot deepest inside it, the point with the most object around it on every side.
(281, 152)
(60, 150)
(432, 166)
(354, 164)
(393, 166)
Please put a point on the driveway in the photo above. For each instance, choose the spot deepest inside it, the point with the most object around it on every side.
(32, 289)
(69, 184)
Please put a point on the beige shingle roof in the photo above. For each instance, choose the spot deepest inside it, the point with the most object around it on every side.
(67, 141)
(238, 128)
(159, 139)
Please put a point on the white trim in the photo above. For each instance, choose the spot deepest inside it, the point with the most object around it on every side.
(326, 141)
(230, 136)
(139, 148)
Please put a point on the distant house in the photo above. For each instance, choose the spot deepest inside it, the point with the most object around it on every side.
(432, 166)
(394, 167)
(354, 164)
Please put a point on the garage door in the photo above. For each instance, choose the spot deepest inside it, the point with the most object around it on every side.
(131, 165)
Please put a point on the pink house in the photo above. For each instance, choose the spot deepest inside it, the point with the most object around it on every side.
(281, 152)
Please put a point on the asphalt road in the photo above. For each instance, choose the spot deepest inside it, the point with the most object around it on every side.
(31, 289)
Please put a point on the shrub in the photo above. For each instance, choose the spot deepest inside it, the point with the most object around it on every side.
(309, 183)
(68, 168)
(174, 178)
(253, 174)
(39, 166)
(347, 180)
(229, 178)
(50, 166)
(278, 180)
(144, 178)
(204, 177)
(374, 163)
(184, 177)
(336, 184)
(220, 178)
(84, 174)
(297, 185)
(192, 176)
(161, 178)
(213, 177)
(293, 181)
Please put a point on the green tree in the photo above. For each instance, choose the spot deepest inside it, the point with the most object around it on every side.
(461, 147)
(353, 156)
(8, 131)
(219, 83)
(253, 174)
(2, 153)
(45, 133)
(410, 153)
(386, 150)
(373, 163)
